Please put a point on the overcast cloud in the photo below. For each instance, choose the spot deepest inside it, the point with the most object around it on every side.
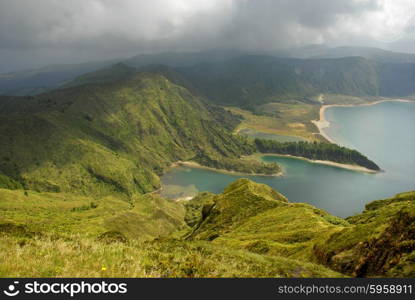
(35, 33)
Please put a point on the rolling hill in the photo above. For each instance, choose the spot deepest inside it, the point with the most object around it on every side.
(251, 216)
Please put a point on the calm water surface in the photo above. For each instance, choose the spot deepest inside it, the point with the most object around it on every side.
(384, 132)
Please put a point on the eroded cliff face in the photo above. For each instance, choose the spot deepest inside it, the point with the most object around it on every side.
(381, 242)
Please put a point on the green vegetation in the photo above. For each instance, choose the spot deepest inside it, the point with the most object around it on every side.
(140, 217)
(317, 151)
(114, 138)
(290, 118)
(114, 73)
(380, 242)
(195, 206)
(254, 217)
(252, 133)
(250, 81)
(8, 183)
(248, 231)
(235, 78)
(329, 99)
(77, 165)
(246, 166)
(80, 257)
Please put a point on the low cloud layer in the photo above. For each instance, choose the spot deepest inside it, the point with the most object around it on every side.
(35, 33)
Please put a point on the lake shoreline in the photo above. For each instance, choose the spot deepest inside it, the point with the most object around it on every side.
(193, 164)
(323, 123)
(322, 162)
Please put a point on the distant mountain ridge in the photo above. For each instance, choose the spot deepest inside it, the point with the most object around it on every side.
(36, 81)
(376, 54)
(392, 68)
(253, 80)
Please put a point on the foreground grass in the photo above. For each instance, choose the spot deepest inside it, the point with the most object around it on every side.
(141, 217)
(250, 230)
(80, 257)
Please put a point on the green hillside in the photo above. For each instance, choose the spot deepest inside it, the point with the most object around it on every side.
(253, 80)
(116, 137)
(248, 231)
(30, 214)
(251, 216)
(380, 241)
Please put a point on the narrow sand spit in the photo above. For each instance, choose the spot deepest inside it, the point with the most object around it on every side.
(326, 162)
(199, 166)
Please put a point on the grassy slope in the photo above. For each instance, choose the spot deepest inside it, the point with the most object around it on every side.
(378, 242)
(78, 257)
(56, 234)
(140, 217)
(381, 241)
(292, 118)
(255, 217)
(113, 138)
(248, 231)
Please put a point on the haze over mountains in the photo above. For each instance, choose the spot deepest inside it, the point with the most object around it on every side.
(245, 77)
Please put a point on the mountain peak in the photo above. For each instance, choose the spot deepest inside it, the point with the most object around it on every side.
(121, 65)
(245, 187)
(241, 200)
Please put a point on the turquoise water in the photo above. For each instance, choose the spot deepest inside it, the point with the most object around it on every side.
(384, 132)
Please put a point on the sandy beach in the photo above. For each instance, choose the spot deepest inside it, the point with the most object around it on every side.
(322, 123)
(321, 162)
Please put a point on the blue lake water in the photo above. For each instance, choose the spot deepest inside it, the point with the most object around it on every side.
(384, 132)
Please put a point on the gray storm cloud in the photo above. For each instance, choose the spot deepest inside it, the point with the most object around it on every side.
(34, 33)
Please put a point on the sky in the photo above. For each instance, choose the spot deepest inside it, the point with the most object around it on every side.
(41, 32)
